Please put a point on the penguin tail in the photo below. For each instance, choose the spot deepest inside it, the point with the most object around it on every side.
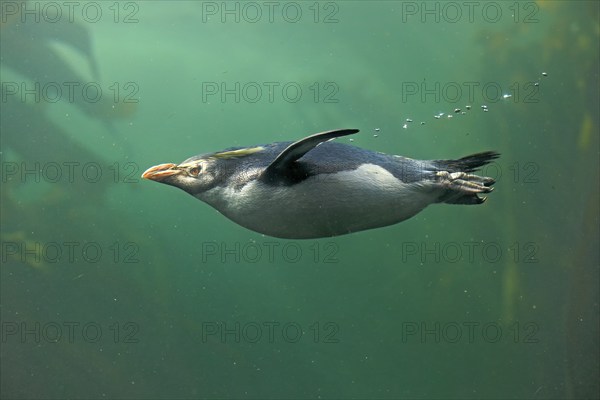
(469, 163)
(458, 184)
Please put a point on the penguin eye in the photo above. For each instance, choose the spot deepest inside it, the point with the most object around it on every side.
(194, 171)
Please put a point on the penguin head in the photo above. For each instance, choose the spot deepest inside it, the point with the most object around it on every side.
(193, 176)
(200, 173)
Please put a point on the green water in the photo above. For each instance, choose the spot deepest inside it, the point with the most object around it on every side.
(115, 287)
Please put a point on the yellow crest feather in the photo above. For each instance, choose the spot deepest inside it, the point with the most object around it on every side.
(237, 153)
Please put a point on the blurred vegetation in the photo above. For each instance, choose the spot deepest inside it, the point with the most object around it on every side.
(562, 138)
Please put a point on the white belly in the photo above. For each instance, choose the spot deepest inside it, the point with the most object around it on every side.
(323, 205)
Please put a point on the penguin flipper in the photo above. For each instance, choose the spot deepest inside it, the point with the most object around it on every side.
(296, 150)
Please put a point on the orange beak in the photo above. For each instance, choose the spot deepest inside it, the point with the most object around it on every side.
(159, 172)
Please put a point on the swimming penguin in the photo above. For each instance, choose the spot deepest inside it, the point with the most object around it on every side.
(316, 188)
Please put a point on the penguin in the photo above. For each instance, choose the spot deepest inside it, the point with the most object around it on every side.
(317, 188)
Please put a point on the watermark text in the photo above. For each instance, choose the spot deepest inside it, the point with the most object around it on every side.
(53, 12)
(69, 332)
(252, 12)
(468, 332)
(70, 252)
(269, 92)
(452, 12)
(269, 332)
(469, 252)
(69, 91)
(68, 172)
(269, 252)
(469, 92)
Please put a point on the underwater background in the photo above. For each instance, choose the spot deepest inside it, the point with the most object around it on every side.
(115, 287)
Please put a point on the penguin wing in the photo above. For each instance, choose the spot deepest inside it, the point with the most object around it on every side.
(283, 162)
